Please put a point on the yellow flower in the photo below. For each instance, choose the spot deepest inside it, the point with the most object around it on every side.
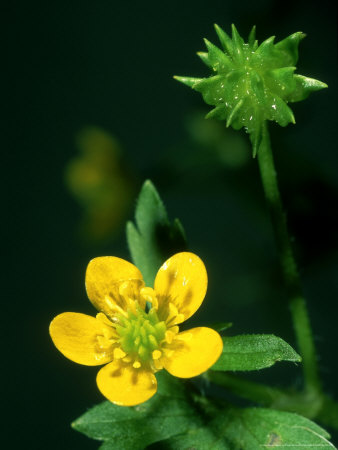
(136, 332)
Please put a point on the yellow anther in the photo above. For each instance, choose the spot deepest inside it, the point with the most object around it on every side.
(169, 336)
(157, 364)
(115, 308)
(127, 359)
(175, 329)
(136, 364)
(156, 354)
(119, 353)
(173, 316)
(152, 340)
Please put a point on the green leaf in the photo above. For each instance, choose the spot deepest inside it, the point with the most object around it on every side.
(253, 352)
(254, 429)
(173, 420)
(153, 239)
(257, 428)
(123, 428)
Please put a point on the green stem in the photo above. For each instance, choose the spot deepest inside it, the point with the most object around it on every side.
(250, 390)
(297, 303)
(306, 403)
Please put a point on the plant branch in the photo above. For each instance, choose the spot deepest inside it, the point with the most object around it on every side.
(297, 303)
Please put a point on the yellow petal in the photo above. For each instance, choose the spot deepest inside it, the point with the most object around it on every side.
(123, 385)
(105, 276)
(75, 336)
(195, 351)
(182, 281)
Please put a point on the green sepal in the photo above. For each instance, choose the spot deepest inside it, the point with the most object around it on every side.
(257, 87)
(266, 48)
(205, 58)
(234, 112)
(219, 60)
(253, 352)
(281, 81)
(188, 81)
(238, 43)
(304, 87)
(252, 39)
(289, 48)
(153, 239)
(217, 113)
(225, 39)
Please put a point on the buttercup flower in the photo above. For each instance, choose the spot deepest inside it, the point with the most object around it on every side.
(136, 332)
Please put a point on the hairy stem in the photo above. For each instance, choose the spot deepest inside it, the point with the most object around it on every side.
(297, 303)
(306, 403)
(250, 390)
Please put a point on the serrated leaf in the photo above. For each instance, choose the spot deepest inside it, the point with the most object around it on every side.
(172, 420)
(123, 428)
(254, 429)
(153, 239)
(253, 352)
(257, 428)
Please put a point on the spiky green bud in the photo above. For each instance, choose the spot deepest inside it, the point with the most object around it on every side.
(252, 83)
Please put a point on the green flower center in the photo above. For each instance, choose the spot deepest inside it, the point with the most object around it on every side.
(141, 334)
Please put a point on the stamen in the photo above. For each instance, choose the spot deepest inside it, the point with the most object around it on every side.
(156, 354)
(169, 336)
(127, 359)
(136, 364)
(152, 341)
(119, 353)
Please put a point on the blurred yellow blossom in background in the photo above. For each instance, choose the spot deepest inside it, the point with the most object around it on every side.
(101, 183)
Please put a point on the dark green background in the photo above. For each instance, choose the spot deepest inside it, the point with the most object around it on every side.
(110, 64)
